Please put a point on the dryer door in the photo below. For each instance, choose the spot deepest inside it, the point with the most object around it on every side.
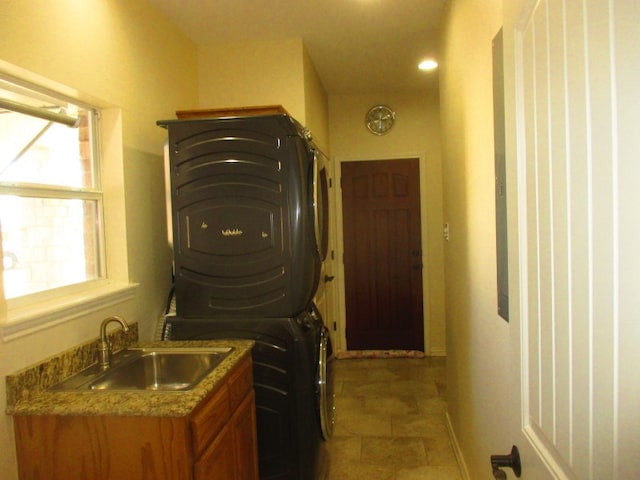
(320, 203)
(325, 384)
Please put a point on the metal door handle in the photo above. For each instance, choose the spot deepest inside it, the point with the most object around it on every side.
(328, 278)
(512, 461)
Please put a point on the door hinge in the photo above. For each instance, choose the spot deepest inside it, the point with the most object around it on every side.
(335, 326)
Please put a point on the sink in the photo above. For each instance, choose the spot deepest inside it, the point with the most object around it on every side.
(159, 370)
(149, 369)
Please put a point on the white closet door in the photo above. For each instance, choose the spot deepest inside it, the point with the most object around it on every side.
(573, 77)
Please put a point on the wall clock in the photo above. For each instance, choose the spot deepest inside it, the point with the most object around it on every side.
(379, 119)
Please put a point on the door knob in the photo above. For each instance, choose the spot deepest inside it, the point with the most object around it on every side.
(512, 461)
(328, 278)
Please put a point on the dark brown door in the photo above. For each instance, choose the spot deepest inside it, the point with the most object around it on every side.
(382, 254)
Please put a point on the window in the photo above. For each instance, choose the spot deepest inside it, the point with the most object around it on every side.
(50, 192)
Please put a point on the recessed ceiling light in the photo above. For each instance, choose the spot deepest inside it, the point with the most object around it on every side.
(427, 65)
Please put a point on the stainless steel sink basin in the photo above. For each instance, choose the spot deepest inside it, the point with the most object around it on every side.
(151, 369)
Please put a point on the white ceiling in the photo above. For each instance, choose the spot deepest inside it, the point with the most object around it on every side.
(357, 46)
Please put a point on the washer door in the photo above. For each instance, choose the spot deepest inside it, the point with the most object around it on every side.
(325, 385)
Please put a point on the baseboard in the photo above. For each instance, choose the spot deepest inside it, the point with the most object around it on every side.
(438, 352)
(379, 354)
(456, 449)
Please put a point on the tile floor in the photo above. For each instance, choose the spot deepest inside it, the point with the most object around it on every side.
(390, 421)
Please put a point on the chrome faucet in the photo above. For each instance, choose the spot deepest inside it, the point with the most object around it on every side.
(104, 349)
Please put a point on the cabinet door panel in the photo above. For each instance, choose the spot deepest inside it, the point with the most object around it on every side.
(240, 382)
(209, 419)
(218, 461)
(245, 440)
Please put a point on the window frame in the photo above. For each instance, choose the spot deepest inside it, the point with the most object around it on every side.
(26, 314)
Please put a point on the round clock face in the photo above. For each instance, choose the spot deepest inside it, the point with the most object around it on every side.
(380, 119)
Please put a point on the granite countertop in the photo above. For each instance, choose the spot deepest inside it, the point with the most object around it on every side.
(29, 398)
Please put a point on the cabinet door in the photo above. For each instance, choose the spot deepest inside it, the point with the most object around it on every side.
(244, 439)
(219, 460)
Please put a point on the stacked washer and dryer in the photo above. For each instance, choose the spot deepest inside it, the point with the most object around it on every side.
(249, 222)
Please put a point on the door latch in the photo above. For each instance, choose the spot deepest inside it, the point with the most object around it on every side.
(512, 461)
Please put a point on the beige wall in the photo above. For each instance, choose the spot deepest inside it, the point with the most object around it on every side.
(416, 134)
(477, 338)
(118, 54)
(275, 72)
(316, 105)
(253, 73)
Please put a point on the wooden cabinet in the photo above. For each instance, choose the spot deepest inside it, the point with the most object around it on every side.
(233, 452)
(226, 456)
(216, 441)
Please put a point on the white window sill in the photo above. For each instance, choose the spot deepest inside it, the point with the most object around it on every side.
(41, 315)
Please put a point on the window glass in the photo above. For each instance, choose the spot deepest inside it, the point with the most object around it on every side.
(43, 152)
(50, 197)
